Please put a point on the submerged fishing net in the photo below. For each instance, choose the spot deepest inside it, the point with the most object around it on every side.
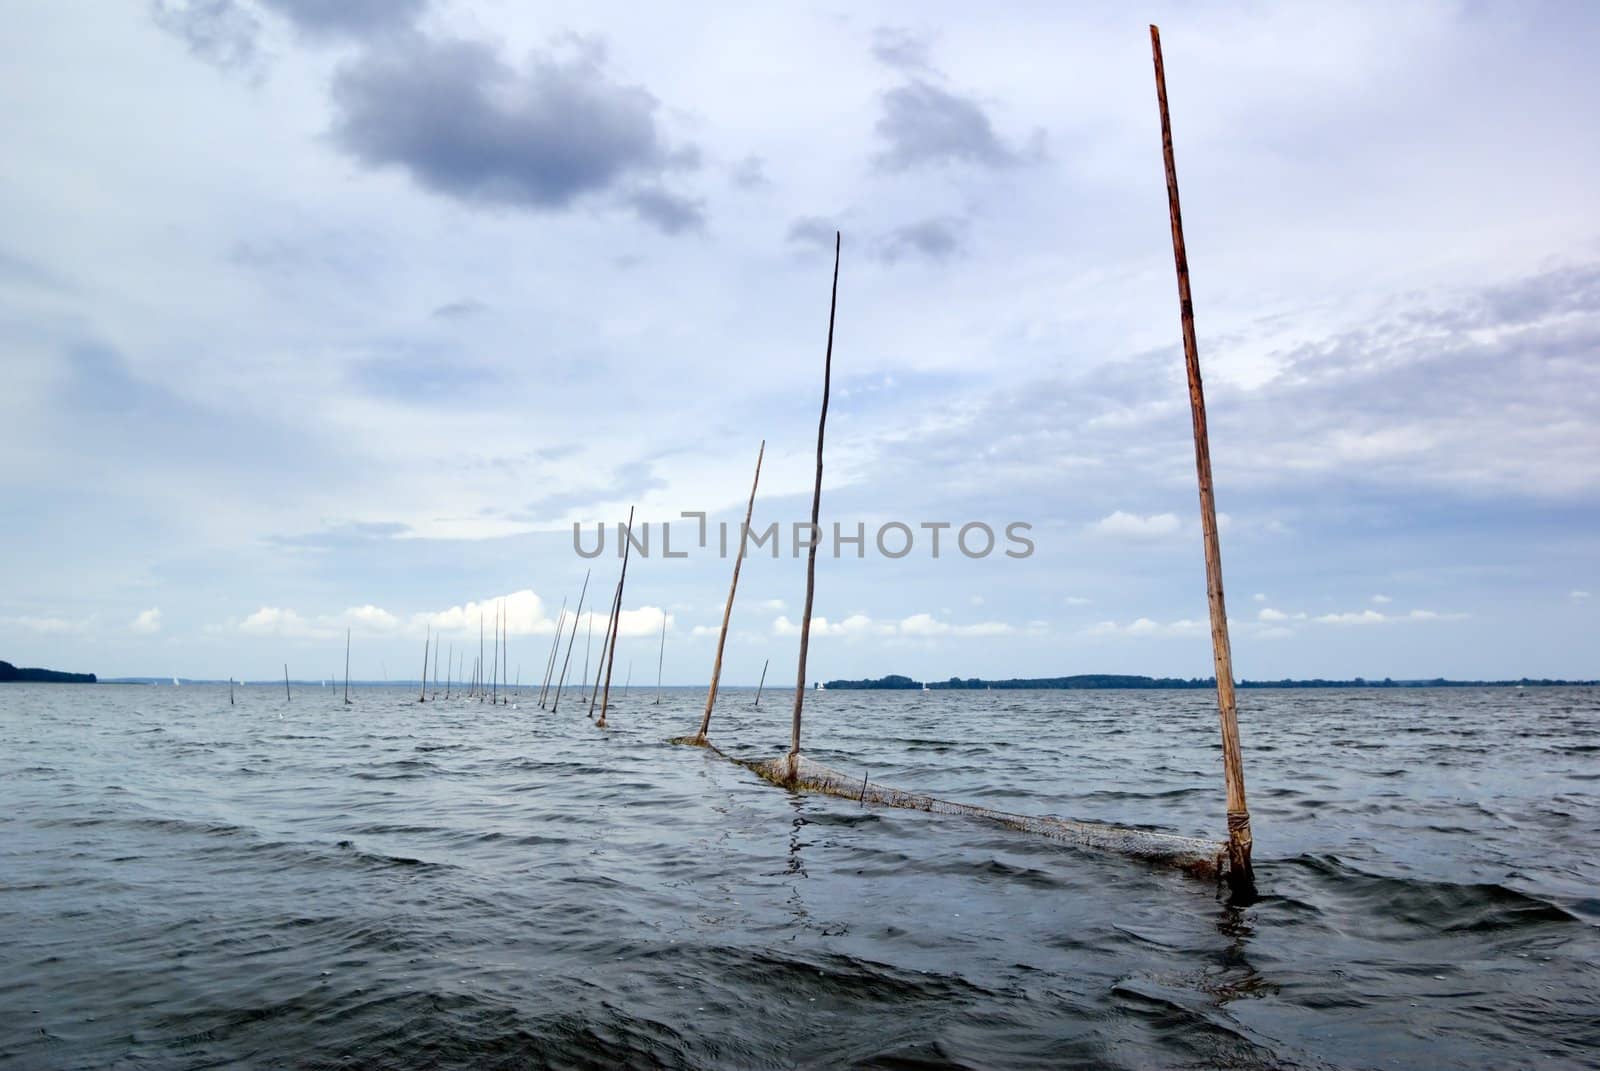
(1202, 858)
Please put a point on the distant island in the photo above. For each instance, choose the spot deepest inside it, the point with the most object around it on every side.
(896, 682)
(9, 673)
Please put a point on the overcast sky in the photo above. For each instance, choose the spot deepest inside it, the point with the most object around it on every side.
(324, 314)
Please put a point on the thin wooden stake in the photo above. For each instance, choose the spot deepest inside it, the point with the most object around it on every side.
(577, 616)
(422, 696)
(346, 667)
(230, 691)
(478, 672)
(816, 537)
(727, 608)
(287, 698)
(763, 683)
(605, 639)
(555, 647)
(588, 647)
(1241, 874)
(449, 670)
(662, 657)
(436, 673)
(616, 621)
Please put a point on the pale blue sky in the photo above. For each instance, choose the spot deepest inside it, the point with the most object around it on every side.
(316, 315)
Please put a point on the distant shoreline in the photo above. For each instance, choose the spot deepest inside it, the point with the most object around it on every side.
(33, 675)
(895, 682)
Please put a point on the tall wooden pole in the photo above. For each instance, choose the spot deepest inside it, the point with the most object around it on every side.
(605, 639)
(1241, 874)
(588, 648)
(346, 667)
(816, 535)
(763, 683)
(661, 658)
(616, 621)
(727, 609)
(286, 696)
(555, 647)
(422, 696)
(577, 615)
(449, 670)
(479, 671)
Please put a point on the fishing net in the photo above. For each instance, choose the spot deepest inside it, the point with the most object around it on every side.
(1201, 858)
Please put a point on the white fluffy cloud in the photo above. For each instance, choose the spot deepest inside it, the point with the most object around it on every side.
(1373, 617)
(1123, 525)
(917, 625)
(525, 615)
(275, 621)
(147, 622)
(927, 625)
(1144, 626)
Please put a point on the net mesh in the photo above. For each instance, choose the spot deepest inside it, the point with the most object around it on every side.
(1201, 858)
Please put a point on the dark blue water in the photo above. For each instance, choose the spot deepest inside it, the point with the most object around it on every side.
(188, 884)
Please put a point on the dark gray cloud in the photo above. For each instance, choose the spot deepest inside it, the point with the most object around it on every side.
(935, 238)
(1489, 400)
(904, 50)
(459, 310)
(814, 231)
(463, 123)
(749, 173)
(220, 32)
(669, 212)
(347, 18)
(628, 481)
(1555, 293)
(923, 124)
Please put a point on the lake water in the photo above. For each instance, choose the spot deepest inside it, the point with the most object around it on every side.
(189, 884)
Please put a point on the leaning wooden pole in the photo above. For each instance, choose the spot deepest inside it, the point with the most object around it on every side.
(763, 683)
(605, 639)
(577, 615)
(346, 667)
(816, 537)
(616, 621)
(286, 696)
(422, 696)
(555, 647)
(1241, 875)
(661, 658)
(727, 608)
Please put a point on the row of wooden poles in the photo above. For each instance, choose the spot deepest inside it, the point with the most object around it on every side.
(1241, 874)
